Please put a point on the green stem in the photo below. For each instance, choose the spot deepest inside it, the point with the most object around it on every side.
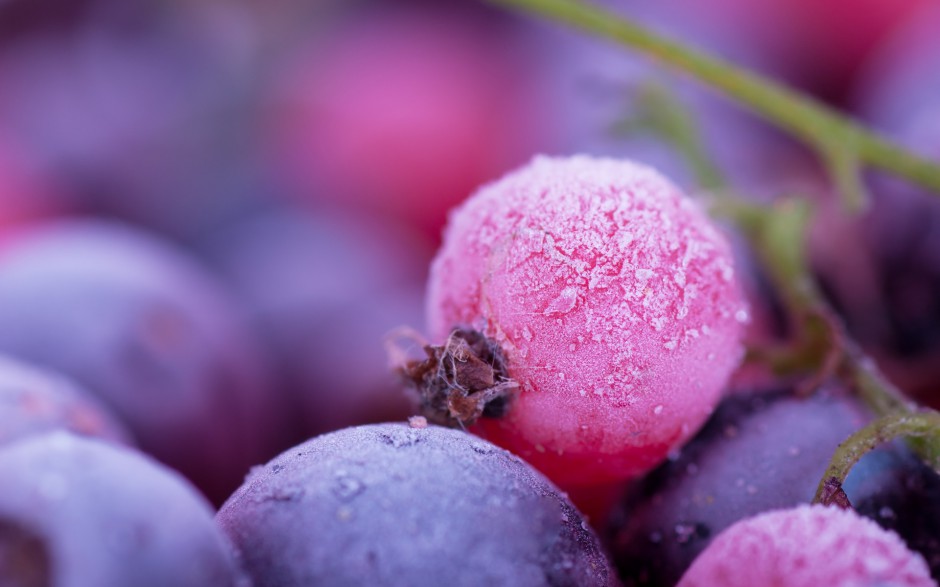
(660, 113)
(838, 139)
(777, 234)
(878, 393)
(922, 425)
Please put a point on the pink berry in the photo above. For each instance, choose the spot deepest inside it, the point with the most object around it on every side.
(404, 111)
(613, 300)
(25, 194)
(807, 546)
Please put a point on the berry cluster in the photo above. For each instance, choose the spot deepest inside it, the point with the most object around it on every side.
(230, 356)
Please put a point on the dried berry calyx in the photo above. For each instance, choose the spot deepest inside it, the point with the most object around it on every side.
(462, 380)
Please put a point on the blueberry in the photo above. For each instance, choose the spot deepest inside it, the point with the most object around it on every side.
(388, 504)
(757, 453)
(33, 401)
(324, 289)
(79, 512)
(145, 329)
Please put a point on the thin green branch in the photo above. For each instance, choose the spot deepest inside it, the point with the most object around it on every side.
(839, 140)
(658, 112)
(777, 234)
(922, 425)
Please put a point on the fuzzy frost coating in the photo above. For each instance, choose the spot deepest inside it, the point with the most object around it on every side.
(808, 546)
(615, 300)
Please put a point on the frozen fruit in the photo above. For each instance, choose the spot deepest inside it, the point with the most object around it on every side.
(762, 451)
(393, 504)
(324, 288)
(612, 298)
(147, 330)
(33, 401)
(76, 512)
(807, 546)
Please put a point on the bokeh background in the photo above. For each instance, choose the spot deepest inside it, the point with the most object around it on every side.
(307, 152)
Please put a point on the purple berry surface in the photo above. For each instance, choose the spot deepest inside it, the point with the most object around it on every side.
(389, 504)
(33, 401)
(149, 332)
(324, 288)
(760, 452)
(78, 512)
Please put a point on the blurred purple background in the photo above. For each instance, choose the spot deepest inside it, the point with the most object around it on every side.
(308, 152)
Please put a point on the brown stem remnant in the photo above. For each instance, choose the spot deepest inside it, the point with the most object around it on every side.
(462, 380)
(832, 493)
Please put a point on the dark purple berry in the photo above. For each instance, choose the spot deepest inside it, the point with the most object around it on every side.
(325, 289)
(390, 504)
(77, 512)
(33, 401)
(138, 324)
(761, 452)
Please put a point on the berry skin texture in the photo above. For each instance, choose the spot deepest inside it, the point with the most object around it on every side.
(614, 300)
(323, 320)
(34, 401)
(807, 546)
(391, 504)
(150, 333)
(763, 451)
(79, 512)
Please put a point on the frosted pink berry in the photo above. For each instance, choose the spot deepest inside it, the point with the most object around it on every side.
(807, 546)
(613, 303)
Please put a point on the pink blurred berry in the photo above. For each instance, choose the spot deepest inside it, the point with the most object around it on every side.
(807, 546)
(405, 112)
(613, 301)
(25, 194)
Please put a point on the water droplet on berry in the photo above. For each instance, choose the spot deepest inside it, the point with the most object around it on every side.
(643, 274)
(401, 437)
(346, 487)
(285, 493)
(564, 303)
